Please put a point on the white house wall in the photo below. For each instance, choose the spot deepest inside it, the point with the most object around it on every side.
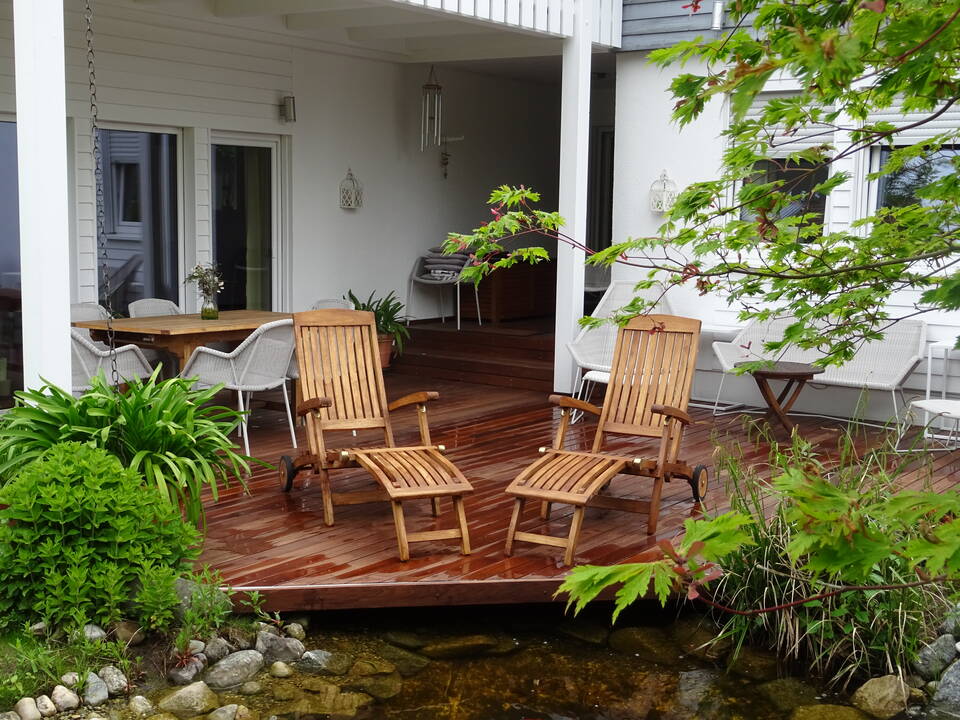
(199, 75)
(648, 142)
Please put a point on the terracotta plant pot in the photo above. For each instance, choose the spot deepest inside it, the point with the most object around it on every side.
(386, 349)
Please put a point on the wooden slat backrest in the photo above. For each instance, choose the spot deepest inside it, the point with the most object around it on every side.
(339, 359)
(653, 363)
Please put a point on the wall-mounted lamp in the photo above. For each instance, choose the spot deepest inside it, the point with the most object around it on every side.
(288, 109)
(663, 193)
(351, 192)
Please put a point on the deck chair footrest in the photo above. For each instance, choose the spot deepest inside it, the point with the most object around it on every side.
(434, 535)
(541, 539)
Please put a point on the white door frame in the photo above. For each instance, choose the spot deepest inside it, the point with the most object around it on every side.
(279, 269)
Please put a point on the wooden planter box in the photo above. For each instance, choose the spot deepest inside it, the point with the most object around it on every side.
(523, 291)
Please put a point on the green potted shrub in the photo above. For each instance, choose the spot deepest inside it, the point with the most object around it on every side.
(388, 312)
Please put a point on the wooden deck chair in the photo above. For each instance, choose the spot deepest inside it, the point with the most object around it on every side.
(342, 385)
(653, 366)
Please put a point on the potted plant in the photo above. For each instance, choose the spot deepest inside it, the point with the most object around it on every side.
(388, 312)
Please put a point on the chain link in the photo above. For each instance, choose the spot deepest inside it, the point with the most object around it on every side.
(98, 183)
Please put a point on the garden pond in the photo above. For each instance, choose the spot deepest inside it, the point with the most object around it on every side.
(527, 664)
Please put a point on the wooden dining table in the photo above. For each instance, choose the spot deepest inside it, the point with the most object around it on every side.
(180, 335)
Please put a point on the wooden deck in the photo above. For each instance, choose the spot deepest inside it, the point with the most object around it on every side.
(276, 543)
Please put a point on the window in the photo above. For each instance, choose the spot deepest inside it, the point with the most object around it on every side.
(141, 217)
(799, 179)
(899, 188)
(11, 338)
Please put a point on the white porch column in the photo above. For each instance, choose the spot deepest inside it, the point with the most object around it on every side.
(574, 149)
(43, 184)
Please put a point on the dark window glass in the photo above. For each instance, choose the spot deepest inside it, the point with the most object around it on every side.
(243, 225)
(798, 180)
(140, 218)
(11, 338)
(899, 188)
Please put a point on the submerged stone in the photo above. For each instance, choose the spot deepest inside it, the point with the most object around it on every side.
(324, 662)
(234, 669)
(788, 693)
(463, 646)
(698, 637)
(405, 661)
(586, 631)
(827, 712)
(381, 687)
(935, 657)
(755, 664)
(651, 644)
(405, 639)
(187, 702)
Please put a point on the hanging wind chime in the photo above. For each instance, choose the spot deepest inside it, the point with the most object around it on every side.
(431, 112)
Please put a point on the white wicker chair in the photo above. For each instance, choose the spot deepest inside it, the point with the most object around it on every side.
(592, 349)
(154, 307)
(879, 365)
(90, 358)
(259, 363)
(86, 312)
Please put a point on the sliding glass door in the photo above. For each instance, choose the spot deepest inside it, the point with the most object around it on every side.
(245, 223)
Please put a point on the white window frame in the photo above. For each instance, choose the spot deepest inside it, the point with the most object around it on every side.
(181, 244)
(279, 253)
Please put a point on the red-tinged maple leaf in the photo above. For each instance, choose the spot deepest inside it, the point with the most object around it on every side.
(693, 6)
(747, 346)
(877, 6)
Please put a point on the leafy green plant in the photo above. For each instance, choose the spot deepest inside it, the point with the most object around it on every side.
(76, 528)
(210, 605)
(254, 602)
(165, 430)
(388, 312)
(157, 598)
(830, 563)
(29, 666)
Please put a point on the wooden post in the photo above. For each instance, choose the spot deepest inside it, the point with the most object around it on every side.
(574, 150)
(43, 190)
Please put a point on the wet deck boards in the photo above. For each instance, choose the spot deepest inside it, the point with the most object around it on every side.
(277, 543)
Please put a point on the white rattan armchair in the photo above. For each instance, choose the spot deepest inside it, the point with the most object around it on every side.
(153, 307)
(259, 363)
(883, 364)
(86, 312)
(90, 359)
(592, 349)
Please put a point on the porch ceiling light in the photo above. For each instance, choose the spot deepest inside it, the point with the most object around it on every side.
(663, 193)
(351, 192)
(431, 112)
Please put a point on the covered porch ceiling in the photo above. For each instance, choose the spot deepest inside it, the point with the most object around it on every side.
(413, 30)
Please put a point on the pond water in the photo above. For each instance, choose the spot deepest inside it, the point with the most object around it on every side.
(531, 663)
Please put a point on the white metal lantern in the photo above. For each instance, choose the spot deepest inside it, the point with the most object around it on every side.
(431, 112)
(351, 192)
(663, 193)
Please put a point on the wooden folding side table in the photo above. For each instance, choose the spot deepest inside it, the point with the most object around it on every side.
(796, 376)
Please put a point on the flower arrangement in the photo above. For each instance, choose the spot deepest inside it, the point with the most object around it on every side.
(209, 282)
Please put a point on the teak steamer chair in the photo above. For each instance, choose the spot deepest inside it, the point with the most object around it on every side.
(650, 378)
(342, 383)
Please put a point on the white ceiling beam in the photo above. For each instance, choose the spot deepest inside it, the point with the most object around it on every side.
(261, 8)
(479, 47)
(418, 30)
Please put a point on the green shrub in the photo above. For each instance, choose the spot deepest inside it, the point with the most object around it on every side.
(210, 605)
(844, 637)
(76, 532)
(164, 430)
(157, 597)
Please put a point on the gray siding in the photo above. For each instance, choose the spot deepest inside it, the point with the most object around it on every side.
(651, 24)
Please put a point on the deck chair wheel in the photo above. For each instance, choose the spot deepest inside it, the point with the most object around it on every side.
(287, 473)
(699, 482)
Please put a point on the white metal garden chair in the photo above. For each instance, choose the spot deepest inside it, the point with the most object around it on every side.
(592, 349)
(90, 359)
(154, 307)
(259, 363)
(441, 271)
